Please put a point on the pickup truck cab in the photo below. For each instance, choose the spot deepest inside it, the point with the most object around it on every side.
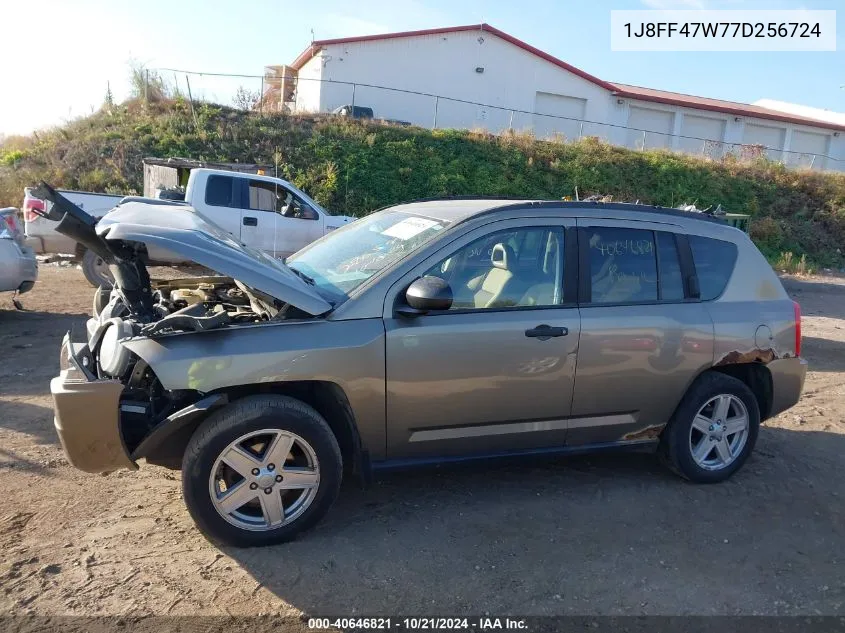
(263, 212)
(266, 213)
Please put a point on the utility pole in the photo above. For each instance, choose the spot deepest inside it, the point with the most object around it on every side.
(191, 101)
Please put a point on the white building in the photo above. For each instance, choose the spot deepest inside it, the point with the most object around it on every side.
(480, 77)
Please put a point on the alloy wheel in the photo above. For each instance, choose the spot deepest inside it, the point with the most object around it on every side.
(719, 432)
(264, 479)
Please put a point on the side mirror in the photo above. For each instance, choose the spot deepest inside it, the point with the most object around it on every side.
(427, 294)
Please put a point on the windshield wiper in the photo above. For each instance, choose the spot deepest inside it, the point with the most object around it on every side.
(310, 281)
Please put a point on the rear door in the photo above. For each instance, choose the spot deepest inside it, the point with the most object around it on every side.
(275, 219)
(644, 337)
(495, 372)
(221, 203)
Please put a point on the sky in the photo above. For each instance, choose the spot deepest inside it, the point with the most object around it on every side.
(60, 57)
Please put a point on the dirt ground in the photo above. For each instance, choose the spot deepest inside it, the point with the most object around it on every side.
(592, 535)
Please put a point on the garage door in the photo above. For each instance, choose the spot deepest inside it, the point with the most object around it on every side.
(770, 137)
(702, 135)
(555, 105)
(658, 126)
(808, 149)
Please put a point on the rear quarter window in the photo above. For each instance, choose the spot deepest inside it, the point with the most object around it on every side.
(714, 264)
(218, 191)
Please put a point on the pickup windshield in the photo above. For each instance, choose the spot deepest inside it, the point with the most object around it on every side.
(349, 256)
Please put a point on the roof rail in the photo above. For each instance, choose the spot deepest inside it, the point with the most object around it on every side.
(520, 202)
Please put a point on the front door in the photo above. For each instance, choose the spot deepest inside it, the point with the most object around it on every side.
(275, 220)
(494, 373)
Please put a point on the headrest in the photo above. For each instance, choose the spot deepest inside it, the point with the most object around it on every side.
(502, 256)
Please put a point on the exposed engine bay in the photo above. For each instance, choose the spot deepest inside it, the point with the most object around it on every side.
(139, 309)
(179, 306)
(138, 306)
(194, 304)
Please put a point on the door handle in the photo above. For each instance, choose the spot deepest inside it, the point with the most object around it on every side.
(545, 332)
(250, 221)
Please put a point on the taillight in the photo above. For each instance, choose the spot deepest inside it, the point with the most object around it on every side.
(11, 223)
(797, 309)
(31, 207)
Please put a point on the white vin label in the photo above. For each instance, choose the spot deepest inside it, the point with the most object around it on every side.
(718, 30)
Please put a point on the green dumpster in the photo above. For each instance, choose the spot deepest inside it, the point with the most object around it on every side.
(739, 220)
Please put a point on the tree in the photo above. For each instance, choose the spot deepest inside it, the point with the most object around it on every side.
(245, 99)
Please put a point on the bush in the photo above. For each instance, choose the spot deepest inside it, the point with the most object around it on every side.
(11, 158)
(788, 263)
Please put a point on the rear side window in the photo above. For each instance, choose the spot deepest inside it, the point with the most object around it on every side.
(714, 263)
(218, 191)
(623, 265)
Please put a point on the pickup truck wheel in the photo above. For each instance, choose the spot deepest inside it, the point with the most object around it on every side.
(96, 271)
(260, 471)
(713, 430)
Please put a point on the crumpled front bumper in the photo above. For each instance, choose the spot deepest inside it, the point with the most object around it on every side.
(86, 413)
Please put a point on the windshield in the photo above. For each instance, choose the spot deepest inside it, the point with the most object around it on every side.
(348, 257)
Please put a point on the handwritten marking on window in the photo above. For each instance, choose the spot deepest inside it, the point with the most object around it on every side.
(625, 247)
(617, 276)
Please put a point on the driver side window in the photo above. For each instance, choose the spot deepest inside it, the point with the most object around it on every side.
(506, 269)
(269, 196)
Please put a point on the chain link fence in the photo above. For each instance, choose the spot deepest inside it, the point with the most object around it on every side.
(408, 107)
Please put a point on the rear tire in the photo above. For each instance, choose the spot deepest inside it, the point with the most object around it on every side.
(232, 452)
(713, 430)
(96, 271)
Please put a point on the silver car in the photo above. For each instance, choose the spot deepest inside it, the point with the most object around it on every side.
(18, 266)
(425, 333)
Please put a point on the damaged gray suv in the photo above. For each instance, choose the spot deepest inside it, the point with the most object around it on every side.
(428, 332)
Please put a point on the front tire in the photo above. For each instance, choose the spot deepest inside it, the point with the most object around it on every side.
(713, 431)
(260, 471)
(96, 271)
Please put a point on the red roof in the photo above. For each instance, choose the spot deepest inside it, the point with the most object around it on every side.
(716, 105)
(620, 90)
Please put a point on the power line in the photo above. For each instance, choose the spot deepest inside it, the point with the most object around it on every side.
(196, 72)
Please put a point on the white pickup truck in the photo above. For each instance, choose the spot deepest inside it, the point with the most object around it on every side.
(264, 212)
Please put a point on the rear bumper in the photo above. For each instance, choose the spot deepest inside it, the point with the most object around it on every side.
(18, 267)
(788, 376)
(87, 418)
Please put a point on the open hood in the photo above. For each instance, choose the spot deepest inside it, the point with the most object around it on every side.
(186, 233)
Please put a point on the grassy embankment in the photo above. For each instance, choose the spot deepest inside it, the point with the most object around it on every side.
(355, 167)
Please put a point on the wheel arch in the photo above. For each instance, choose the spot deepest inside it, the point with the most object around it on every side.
(755, 375)
(327, 398)
(757, 378)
